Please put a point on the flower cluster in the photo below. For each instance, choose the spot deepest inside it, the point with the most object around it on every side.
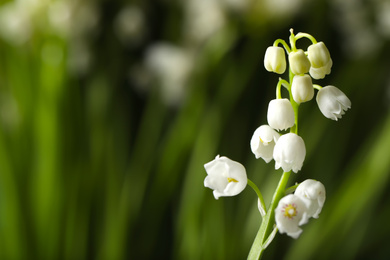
(295, 209)
(279, 140)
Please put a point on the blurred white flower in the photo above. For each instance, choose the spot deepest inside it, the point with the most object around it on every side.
(277, 9)
(275, 60)
(289, 152)
(315, 192)
(15, 23)
(129, 25)
(226, 177)
(299, 63)
(171, 66)
(291, 213)
(302, 88)
(332, 102)
(320, 60)
(263, 142)
(280, 114)
(202, 19)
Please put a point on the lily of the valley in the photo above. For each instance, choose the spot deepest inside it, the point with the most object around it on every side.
(302, 88)
(332, 102)
(263, 142)
(315, 192)
(275, 60)
(320, 60)
(225, 176)
(289, 152)
(291, 213)
(280, 114)
(299, 63)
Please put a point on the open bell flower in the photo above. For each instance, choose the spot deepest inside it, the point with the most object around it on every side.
(291, 213)
(299, 63)
(275, 60)
(320, 60)
(226, 177)
(302, 88)
(263, 142)
(315, 192)
(280, 114)
(289, 152)
(332, 102)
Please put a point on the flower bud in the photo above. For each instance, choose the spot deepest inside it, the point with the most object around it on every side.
(302, 88)
(299, 63)
(263, 142)
(320, 60)
(291, 213)
(275, 60)
(226, 177)
(289, 152)
(315, 192)
(280, 114)
(332, 102)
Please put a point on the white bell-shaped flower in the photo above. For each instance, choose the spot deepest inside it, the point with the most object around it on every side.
(315, 192)
(226, 177)
(263, 142)
(299, 63)
(332, 102)
(302, 88)
(280, 114)
(289, 152)
(320, 60)
(291, 213)
(275, 60)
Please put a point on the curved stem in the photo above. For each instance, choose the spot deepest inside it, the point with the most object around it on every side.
(283, 83)
(305, 35)
(285, 45)
(256, 189)
(318, 87)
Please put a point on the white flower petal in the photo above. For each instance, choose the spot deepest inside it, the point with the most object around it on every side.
(332, 102)
(280, 114)
(315, 192)
(226, 177)
(263, 142)
(289, 152)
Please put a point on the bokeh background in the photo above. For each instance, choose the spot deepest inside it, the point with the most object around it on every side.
(110, 109)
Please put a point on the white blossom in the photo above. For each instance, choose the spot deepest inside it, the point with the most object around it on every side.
(315, 192)
(302, 88)
(299, 63)
(263, 142)
(332, 102)
(226, 177)
(280, 115)
(320, 60)
(289, 152)
(275, 60)
(291, 213)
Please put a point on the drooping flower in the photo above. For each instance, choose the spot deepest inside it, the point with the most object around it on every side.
(302, 88)
(226, 177)
(291, 213)
(289, 152)
(299, 63)
(280, 115)
(263, 142)
(315, 192)
(275, 60)
(320, 60)
(332, 102)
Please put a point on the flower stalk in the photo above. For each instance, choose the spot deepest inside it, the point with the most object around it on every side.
(292, 207)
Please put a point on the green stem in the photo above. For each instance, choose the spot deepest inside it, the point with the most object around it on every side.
(285, 45)
(267, 224)
(256, 189)
(306, 35)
